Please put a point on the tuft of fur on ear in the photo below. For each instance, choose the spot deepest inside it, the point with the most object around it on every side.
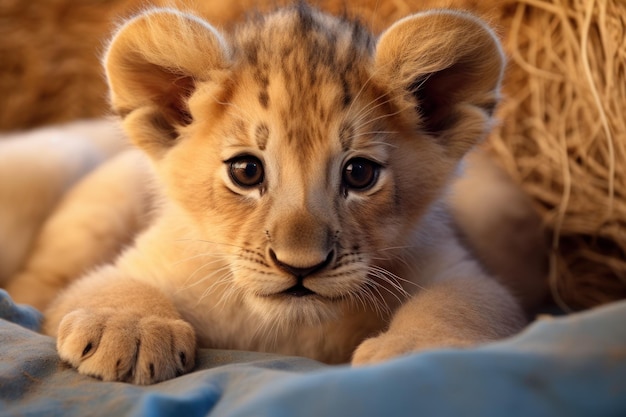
(449, 66)
(153, 65)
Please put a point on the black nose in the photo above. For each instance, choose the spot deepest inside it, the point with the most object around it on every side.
(301, 271)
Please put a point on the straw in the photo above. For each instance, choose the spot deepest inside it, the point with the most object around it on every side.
(563, 137)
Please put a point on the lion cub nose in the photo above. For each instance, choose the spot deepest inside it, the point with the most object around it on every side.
(301, 271)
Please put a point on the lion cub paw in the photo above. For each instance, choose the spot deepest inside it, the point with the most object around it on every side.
(126, 347)
(381, 348)
(393, 344)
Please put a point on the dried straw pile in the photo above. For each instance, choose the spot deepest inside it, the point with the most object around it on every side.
(563, 136)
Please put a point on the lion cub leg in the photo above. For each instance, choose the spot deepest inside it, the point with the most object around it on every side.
(462, 308)
(97, 217)
(37, 167)
(118, 329)
(497, 220)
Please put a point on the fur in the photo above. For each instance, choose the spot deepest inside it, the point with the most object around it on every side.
(37, 169)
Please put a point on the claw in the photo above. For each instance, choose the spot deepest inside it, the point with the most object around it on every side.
(87, 348)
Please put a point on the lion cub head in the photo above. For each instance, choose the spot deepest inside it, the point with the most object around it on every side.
(302, 146)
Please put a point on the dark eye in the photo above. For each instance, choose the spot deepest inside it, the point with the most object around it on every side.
(360, 174)
(246, 171)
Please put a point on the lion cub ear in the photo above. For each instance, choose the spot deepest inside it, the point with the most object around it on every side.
(449, 66)
(153, 66)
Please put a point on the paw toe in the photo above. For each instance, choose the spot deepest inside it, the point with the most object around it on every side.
(79, 335)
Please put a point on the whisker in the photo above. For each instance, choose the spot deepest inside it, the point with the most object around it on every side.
(225, 278)
(371, 143)
(212, 243)
(356, 295)
(378, 303)
(384, 116)
(384, 287)
(394, 279)
(358, 94)
(374, 12)
(241, 113)
(391, 279)
(200, 255)
(423, 81)
(394, 248)
(369, 109)
(377, 132)
(186, 284)
(228, 294)
(368, 298)
(400, 257)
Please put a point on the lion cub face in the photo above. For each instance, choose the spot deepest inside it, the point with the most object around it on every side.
(303, 149)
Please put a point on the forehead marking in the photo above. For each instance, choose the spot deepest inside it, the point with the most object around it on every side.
(264, 99)
(261, 135)
(346, 135)
(239, 130)
(347, 95)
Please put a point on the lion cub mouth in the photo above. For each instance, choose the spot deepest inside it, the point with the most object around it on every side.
(298, 290)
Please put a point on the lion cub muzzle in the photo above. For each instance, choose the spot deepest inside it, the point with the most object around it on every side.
(301, 245)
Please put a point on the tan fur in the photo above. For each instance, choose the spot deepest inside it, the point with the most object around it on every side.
(106, 210)
(305, 94)
(508, 236)
(36, 169)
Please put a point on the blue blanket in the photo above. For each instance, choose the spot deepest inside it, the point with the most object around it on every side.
(570, 366)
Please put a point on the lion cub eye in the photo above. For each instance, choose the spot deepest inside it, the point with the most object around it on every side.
(360, 174)
(246, 171)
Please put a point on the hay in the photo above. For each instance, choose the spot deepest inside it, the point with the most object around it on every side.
(563, 137)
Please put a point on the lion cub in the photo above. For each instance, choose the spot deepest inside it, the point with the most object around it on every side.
(298, 170)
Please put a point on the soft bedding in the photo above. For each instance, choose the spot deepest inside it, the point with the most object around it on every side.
(569, 366)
